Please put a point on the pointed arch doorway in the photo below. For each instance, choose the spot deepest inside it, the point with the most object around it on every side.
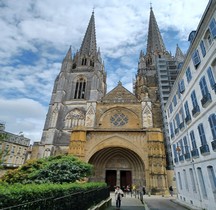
(118, 166)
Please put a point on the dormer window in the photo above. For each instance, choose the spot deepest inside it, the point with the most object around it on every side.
(191, 36)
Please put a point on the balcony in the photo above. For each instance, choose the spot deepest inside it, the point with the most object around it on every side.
(214, 87)
(206, 100)
(195, 111)
(181, 125)
(187, 156)
(176, 160)
(188, 119)
(213, 143)
(176, 131)
(181, 158)
(204, 149)
(195, 153)
(172, 135)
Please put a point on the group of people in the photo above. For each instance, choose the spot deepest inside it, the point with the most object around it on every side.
(142, 191)
(119, 193)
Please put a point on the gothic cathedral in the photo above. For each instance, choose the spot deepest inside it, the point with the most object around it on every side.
(119, 132)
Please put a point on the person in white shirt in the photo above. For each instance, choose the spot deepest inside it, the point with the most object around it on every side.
(118, 196)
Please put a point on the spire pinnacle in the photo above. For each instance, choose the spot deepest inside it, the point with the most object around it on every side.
(155, 41)
(179, 55)
(89, 45)
(69, 54)
(150, 5)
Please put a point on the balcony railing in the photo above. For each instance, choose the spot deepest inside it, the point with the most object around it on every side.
(172, 135)
(195, 153)
(204, 149)
(181, 157)
(213, 143)
(188, 119)
(181, 125)
(195, 111)
(176, 131)
(214, 87)
(176, 160)
(206, 100)
(187, 156)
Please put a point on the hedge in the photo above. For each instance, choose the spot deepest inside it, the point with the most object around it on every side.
(15, 194)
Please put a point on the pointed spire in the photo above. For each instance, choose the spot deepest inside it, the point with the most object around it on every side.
(89, 45)
(155, 41)
(141, 54)
(68, 56)
(179, 55)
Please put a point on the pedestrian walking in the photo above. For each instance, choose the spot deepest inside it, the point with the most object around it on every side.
(118, 196)
(144, 190)
(141, 193)
(171, 190)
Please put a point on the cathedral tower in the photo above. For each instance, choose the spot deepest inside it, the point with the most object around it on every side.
(80, 83)
(157, 71)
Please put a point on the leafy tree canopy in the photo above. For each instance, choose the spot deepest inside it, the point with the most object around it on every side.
(54, 169)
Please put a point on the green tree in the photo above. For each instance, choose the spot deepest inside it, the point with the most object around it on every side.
(55, 169)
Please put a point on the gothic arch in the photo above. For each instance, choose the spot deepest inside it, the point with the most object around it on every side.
(74, 118)
(147, 117)
(113, 141)
(121, 155)
(80, 87)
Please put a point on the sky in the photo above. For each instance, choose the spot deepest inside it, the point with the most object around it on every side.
(36, 34)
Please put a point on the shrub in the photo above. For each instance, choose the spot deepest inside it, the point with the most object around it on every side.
(55, 169)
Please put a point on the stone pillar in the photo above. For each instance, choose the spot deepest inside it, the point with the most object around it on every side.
(118, 178)
(77, 143)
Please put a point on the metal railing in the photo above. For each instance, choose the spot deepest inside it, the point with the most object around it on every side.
(79, 201)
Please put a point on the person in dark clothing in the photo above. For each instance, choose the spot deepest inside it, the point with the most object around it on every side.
(171, 190)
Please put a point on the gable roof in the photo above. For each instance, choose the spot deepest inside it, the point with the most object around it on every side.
(119, 95)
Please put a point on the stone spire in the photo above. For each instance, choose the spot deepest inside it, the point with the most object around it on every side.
(89, 45)
(179, 55)
(67, 61)
(68, 56)
(155, 41)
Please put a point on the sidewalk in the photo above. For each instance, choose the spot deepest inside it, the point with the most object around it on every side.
(128, 203)
(153, 202)
(156, 202)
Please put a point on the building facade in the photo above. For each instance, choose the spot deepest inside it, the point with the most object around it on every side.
(191, 113)
(13, 149)
(120, 133)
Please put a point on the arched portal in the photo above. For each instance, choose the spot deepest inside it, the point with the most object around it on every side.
(118, 166)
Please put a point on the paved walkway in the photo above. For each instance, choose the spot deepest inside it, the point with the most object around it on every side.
(153, 202)
(128, 203)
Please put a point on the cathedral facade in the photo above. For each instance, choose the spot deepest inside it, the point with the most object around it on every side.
(119, 132)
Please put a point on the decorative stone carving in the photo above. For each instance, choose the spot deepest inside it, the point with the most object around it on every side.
(147, 117)
(90, 116)
(75, 118)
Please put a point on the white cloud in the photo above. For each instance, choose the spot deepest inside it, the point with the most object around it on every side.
(23, 115)
(37, 34)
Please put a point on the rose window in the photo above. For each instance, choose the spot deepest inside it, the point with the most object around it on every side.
(119, 119)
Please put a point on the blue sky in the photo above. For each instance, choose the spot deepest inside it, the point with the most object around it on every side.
(36, 34)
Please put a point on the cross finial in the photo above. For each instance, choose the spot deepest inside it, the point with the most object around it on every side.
(150, 5)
